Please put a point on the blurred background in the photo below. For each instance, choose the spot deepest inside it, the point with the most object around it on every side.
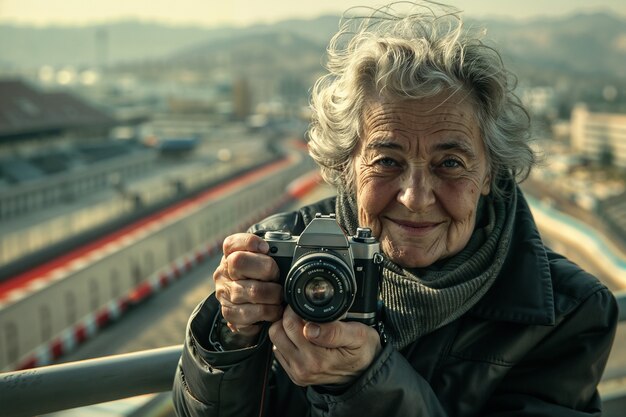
(135, 134)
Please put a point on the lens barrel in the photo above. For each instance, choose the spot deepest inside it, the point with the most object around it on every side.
(320, 287)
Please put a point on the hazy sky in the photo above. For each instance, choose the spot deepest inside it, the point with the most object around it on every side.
(242, 12)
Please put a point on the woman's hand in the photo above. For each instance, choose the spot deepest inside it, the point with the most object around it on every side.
(246, 285)
(323, 353)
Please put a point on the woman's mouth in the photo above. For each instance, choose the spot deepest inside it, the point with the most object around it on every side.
(412, 227)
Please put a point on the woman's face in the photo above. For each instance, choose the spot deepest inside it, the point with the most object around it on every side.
(420, 168)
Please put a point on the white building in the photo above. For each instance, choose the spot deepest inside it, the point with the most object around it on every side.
(598, 134)
(539, 100)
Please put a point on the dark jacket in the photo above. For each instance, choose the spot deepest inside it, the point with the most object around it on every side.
(535, 345)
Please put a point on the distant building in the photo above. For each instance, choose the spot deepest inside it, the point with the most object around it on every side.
(55, 147)
(242, 99)
(539, 100)
(27, 114)
(599, 136)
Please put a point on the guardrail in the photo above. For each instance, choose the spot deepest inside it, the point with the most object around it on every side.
(63, 386)
(93, 381)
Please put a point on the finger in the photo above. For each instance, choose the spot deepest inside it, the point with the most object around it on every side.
(293, 325)
(221, 272)
(244, 242)
(251, 291)
(281, 358)
(288, 354)
(339, 334)
(241, 315)
(286, 364)
(249, 265)
(287, 334)
(280, 339)
(251, 330)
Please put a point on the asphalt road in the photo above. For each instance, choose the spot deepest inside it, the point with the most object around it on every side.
(160, 320)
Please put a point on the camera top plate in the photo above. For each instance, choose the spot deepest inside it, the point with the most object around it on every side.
(324, 231)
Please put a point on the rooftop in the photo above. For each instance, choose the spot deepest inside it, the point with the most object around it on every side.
(24, 111)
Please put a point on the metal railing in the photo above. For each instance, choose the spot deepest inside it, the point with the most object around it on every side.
(93, 381)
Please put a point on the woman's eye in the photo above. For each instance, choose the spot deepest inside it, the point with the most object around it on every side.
(386, 162)
(451, 163)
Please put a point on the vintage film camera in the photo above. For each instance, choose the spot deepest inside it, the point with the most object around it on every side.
(326, 275)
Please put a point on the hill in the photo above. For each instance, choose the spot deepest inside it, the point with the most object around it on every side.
(583, 45)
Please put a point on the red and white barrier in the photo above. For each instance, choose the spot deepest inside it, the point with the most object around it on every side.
(90, 325)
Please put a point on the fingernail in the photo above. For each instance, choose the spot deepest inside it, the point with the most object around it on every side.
(312, 330)
(263, 246)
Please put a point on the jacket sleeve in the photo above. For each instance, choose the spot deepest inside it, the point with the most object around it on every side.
(559, 377)
(209, 383)
(390, 387)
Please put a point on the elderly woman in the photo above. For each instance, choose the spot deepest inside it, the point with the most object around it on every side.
(417, 128)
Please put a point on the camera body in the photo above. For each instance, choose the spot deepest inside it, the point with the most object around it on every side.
(326, 275)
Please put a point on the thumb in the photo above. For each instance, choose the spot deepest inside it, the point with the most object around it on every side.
(336, 334)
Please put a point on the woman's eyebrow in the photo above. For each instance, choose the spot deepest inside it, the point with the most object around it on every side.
(384, 144)
(458, 145)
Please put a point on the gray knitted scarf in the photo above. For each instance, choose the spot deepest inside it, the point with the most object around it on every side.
(420, 300)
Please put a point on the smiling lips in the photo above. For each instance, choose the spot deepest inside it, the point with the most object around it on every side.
(415, 227)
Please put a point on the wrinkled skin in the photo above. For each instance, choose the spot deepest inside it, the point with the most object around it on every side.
(420, 170)
(311, 354)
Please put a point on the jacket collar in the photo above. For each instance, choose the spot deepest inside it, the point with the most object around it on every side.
(523, 291)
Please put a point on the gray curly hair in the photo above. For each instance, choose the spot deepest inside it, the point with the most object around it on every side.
(414, 55)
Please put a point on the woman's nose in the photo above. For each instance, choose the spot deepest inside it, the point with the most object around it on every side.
(416, 191)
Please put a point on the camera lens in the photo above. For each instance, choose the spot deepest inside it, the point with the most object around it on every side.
(319, 291)
(320, 287)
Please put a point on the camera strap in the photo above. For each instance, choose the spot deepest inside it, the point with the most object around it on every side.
(380, 323)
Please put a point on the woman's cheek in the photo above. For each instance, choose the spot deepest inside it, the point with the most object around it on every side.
(366, 219)
(370, 186)
(368, 206)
